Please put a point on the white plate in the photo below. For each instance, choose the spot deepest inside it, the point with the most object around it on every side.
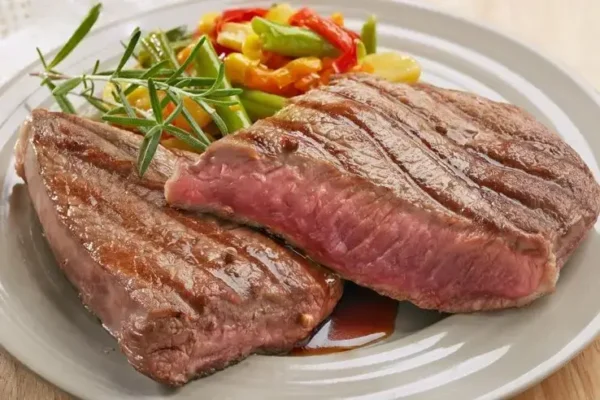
(461, 357)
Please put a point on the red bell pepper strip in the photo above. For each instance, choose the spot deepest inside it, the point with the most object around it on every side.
(239, 15)
(333, 33)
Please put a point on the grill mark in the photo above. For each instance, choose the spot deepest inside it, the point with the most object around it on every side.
(104, 161)
(550, 143)
(126, 169)
(481, 150)
(153, 272)
(539, 171)
(453, 205)
(403, 174)
(483, 160)
(505, 193)
(331, 147)
(267, 138)
(82, 189)
(230, 241)
(326, 144)
(498, 164)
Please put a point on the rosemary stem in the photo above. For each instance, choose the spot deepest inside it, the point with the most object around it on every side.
(113, 79)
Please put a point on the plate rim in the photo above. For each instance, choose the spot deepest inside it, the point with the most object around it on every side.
(535, 375)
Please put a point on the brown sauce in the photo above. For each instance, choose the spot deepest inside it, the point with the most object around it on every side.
(361, 317)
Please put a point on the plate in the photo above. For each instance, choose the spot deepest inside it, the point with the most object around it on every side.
(483, 355)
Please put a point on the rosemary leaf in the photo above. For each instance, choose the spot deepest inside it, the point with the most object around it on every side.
(188, 61)
(97, 103)
(127, 107)
(175, 113)
(214, 115)
(149, 73)
(133, 41)
(218, 80)
(126, 121)
(148, 149)
(155, 102)
(185, 137)
(67, 86)
(42, 59)
(116, 110)
(77, 36)
(196, 129)
(65, 105)
(194, 81)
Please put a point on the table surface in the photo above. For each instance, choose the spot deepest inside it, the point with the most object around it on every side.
(567, 30)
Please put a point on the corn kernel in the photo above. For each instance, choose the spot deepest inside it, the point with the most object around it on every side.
(207, 22)
(280, 13)
(252, 47)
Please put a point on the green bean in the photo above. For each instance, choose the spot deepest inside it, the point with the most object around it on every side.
(291, 41)
(208, 64)
(369, 34)
(261, 105)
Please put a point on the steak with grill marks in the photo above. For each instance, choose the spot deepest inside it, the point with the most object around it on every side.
(439, 197)
(185, 295)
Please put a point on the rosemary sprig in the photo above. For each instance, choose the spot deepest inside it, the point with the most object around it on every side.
(81, 31)
(165, 79)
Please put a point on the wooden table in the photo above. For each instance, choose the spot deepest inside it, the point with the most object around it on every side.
(567, 30)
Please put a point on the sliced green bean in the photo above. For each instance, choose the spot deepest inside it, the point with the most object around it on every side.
(261, 105)
(207, 64)
(291, 41)
(369, 35)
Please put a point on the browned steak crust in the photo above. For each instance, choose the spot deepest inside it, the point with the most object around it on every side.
(439, 197)
(185, 295)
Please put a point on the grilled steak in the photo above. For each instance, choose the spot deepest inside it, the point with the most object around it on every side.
(439, 197)
(184, 295)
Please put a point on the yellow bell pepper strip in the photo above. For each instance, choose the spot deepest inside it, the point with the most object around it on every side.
(233, 35)
(291, 41)
(261, 105)
(368, 34)
(197, 113)
(207, 64)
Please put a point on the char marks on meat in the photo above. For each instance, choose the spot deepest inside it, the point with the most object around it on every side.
(443, 198)
(185, 295)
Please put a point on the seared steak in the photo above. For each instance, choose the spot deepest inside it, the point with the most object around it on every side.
(439, 197)
(184, 295)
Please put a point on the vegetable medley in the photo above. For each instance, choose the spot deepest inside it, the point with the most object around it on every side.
(187, 90)
(271, 54)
